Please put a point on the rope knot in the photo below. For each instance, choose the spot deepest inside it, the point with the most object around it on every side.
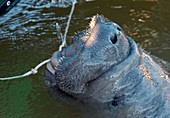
(34, 71)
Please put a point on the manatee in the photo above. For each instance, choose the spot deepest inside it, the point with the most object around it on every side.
(107, 67)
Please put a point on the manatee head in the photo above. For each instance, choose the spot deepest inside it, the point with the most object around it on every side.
(93, 52)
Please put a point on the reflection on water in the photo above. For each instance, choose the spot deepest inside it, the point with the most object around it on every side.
(28, 36)
(15, 101)
(150, 27)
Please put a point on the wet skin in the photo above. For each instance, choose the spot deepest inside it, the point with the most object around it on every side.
(105, 65)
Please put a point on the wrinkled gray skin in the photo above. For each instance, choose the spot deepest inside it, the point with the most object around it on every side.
(105, 65)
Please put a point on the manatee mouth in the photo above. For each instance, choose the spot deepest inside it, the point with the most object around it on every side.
(54, 62)
(59, 57)
(67, 54)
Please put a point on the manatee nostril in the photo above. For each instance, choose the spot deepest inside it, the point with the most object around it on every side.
(118, 28)
(113, 39)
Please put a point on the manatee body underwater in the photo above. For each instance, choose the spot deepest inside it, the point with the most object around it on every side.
(104, 65)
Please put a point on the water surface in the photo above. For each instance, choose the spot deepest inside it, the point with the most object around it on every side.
(28, 36)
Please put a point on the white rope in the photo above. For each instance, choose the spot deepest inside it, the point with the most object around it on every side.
(35, 70)
(68, 24)
(32, 71)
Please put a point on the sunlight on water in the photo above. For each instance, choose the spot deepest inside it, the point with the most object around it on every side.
(28, 36)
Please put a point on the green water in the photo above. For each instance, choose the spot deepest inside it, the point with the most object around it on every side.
(1, 1)
(28, 36)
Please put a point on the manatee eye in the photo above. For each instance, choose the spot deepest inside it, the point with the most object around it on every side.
(113, 39)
